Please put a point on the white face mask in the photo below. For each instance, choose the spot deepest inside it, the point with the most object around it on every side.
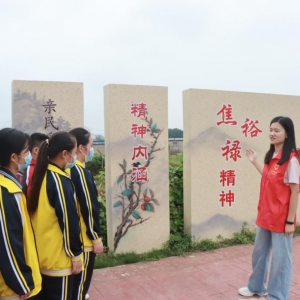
(72, 164)
(27, 159)
(91, 154)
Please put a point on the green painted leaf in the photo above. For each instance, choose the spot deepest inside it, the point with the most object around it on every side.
(127, 192)
(122, 167)
(149, 207)
(129, 172)
(118, 203)
(150, 122)
(157, 130)
(151, 193)
(136, 214)
(124, 164)
(120, 178)
(129, 221)
(154, 127)
(145, 192)
(155, 201)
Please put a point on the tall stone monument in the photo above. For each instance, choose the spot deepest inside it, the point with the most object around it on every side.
(46, 106)
(136, 167)
(221, 186)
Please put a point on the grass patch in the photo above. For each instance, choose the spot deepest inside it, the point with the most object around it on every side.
(176, 246)
(179, 245)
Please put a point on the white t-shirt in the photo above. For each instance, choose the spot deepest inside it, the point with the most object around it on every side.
(292, 172)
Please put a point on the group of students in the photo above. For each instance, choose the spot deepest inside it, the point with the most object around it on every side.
(49, 225)
(49, 218)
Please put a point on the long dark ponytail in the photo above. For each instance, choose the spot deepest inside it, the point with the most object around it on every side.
(57, 143)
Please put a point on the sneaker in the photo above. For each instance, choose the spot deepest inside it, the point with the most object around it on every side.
(87, 296)
(244, 291)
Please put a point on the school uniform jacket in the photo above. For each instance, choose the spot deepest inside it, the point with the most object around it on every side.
(87, 197)
(19, 267)
(56, 224)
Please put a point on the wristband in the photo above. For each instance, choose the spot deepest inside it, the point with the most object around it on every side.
(289, 222)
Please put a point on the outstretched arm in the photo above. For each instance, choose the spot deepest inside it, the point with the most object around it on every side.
(253, 159)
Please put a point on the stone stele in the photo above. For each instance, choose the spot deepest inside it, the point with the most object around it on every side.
(47, 106)
(136, 166)
(221, 186)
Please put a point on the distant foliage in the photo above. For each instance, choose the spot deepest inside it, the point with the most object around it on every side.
(100, 183)
(99, 138)
(96, 165)
(176, 195)
(175, 133)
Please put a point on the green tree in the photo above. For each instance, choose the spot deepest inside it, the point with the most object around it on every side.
(175, 133)
(96, 165)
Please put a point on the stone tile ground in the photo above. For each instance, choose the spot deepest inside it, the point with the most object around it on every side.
(205, 275)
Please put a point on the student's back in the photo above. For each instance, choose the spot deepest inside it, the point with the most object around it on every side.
(52, 205)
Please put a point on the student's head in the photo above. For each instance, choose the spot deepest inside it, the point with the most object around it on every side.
(14, 153)
(282, 135)
(60, 149)
(35, 141)
(85, 150)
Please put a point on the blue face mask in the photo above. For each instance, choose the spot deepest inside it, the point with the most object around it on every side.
(91, 155)
(27, 159)
(72, 164)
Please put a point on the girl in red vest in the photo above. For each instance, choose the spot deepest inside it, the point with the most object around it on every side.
(276, 217)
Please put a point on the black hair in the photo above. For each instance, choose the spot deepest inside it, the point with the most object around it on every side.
(82, 136)
(36, 139)
(11, 141)
(57, 143)
(289, 144)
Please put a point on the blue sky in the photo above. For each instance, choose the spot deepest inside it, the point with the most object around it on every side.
(250, 46)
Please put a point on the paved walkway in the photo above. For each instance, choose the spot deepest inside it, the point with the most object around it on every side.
(205, 275)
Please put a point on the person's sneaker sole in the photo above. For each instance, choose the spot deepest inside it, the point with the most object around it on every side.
(244, 291)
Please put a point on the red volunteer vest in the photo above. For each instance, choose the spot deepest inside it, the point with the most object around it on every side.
(274, 200)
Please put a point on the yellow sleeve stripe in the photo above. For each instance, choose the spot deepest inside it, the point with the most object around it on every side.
(10, 253)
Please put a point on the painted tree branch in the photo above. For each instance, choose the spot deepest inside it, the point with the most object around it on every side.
(134, 190)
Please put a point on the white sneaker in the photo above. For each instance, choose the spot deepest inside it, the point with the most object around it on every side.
(244, 291)
(87, 296)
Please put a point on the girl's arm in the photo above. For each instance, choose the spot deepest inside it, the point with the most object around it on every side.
(87, 195)
(253, 158)
(290, 228)
(64, 203)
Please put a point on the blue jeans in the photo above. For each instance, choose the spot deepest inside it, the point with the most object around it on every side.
(280, 278)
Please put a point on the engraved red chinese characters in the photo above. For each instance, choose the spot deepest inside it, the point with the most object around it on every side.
(140, 151)
(249, 126)
(232, 150)
(226, 115)
(226, 198)
(227, 178)
(139, 110)
(139, 174)
(137, 130)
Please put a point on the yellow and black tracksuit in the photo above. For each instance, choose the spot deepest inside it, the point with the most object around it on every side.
(19, 267)
(87, 194)
(57, 230)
